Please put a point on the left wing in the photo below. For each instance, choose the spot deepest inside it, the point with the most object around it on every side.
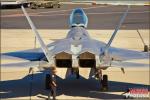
(126, 64)
(120, 54)
(124, 54)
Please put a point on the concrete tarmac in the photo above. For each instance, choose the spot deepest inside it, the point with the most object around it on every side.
(100, 17)
(17, 83)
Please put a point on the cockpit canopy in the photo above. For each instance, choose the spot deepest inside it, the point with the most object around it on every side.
(78, 18)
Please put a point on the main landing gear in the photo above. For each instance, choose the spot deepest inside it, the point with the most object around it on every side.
(103, 80)
(104, 83)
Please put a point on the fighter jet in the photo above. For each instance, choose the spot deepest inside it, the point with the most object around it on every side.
(77, 50)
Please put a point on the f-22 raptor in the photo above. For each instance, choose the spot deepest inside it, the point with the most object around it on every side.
(77, 50)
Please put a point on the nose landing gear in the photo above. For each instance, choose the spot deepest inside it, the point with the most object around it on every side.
(75, 71)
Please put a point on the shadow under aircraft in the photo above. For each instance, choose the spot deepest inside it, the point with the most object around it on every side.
(33, 86)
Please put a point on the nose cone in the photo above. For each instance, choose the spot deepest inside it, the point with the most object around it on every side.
(78, 18)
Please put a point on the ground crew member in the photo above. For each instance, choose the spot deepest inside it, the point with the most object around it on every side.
(52, 84)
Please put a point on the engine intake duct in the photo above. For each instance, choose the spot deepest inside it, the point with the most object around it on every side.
(87, 60)
(63, 60)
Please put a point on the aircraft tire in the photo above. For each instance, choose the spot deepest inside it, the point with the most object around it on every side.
(146, 49)
(77, 74)
(105, 83)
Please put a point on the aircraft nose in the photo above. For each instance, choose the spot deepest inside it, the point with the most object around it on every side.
(78, 18)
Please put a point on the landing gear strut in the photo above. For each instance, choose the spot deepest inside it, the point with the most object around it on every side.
(77, 74)
(76, 71)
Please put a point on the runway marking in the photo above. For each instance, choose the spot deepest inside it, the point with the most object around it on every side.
(109, 92)
(19, 15)
(102, 13)
(85, 8)
(57, 11)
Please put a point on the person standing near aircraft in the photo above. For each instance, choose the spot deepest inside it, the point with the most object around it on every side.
(52, 84)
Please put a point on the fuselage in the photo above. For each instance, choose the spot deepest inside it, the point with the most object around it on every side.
(78, 49)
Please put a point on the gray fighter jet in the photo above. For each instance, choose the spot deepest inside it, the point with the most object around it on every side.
(77, 50)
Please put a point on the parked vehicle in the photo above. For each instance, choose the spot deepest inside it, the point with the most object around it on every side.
(34, 4)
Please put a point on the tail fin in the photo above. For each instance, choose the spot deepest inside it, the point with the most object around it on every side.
(117, 28)
(41, 42)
